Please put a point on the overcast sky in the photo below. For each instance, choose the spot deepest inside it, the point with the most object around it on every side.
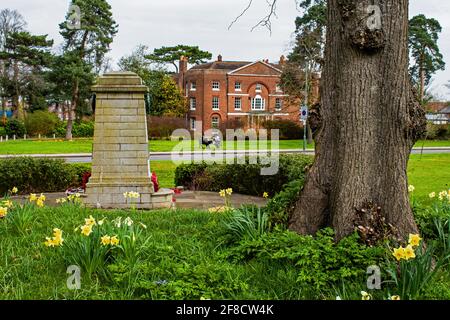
(157, 23)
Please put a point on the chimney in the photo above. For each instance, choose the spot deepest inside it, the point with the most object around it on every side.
(266, 60)
(282, 60)
(219, 58)
(183, 65)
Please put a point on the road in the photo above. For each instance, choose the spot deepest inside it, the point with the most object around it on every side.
(199, 155)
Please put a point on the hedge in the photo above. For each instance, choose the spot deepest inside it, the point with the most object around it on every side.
(243, 178)
(32, 175)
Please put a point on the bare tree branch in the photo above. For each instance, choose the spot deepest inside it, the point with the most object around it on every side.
(242, 13)
(266, 21)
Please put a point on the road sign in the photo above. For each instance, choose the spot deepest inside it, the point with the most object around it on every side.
(304, 113)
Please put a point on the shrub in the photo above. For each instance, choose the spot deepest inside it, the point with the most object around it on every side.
(41, 122)
(15, 127)
(282, 204)
(2, 131)
(36, 175)
(320, 262)
(437, 131)
(243, 178)
(289, 130)
(84, 129)
(163, 127)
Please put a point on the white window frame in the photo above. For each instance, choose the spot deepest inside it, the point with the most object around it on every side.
(212, 122)
(258, 87)
(213, 102)
(193, 103)
(262, 107)
(193, 86)
(237, 86)
(237, 106)
(215, 85)
(193, 124)
(278, 104)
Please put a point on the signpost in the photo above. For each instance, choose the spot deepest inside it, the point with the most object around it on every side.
(304, 118)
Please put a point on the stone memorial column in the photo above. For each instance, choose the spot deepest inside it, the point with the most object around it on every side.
(120, 152)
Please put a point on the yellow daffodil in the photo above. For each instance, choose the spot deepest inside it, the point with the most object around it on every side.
(58, 201)
(3, 212)
(14, 190)
(432, 195)
(395, 298)
(399, 253)
(265, 195)
(442, 195)
(143, 225)
(414, 240)
(42, 197)
(106, 240)
(125, 194)
(114, 241)
(365, 296)
(8, 203)
(229, 191)
(49, 242)
(57, 239)
(222, 193)
(33, 197)
(40, 203)
(90, 221)
(86, 230)
(409, 253)
(101, 222)
(411, 188)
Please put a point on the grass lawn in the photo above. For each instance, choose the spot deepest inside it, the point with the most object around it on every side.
(181, 248)
(85, 146)
(429, 173)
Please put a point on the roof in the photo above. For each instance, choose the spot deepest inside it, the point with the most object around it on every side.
(221, 65)
(437, 106)
(227, 65)
(445, 110)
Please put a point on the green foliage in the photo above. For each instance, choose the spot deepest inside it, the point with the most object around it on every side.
(243, 178)
(15, 127)
(438, 131)
(41, 122)
(289, 130)
(36, 175)
(424, 49)
(282, 204)
(320, 262)
(411, 277)
(166, 98)
(247, 222)
(2, 131)
(83, 129)
(20, 218)
(173, 54)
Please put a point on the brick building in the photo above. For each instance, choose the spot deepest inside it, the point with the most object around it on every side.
(234, 94)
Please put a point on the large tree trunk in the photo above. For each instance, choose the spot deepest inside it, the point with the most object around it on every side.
(369, 121)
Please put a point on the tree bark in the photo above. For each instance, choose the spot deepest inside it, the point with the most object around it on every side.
(370, 120)
(71, 108)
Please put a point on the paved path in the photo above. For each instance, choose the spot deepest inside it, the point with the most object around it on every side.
(199, 155)
(202, 200)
